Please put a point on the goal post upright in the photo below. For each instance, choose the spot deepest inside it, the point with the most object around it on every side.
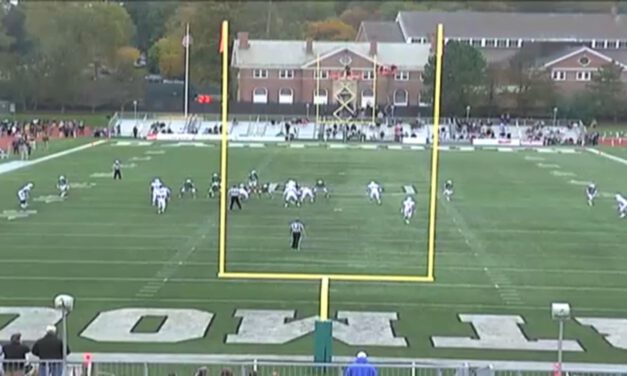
(224, 49)
(437, 92)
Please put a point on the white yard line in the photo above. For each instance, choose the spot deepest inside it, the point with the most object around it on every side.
(16, 165)
(608, 156)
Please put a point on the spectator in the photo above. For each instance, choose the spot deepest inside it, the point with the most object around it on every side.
(226, 372)
(49, 349)
(15, 356)
(360, 367)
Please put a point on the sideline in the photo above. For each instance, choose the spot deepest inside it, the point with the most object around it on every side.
(283, 361)
(16, 165)
(607, 155)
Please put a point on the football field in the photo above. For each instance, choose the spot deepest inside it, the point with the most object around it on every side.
(517, 236)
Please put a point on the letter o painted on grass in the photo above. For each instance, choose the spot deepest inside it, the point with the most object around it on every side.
(179, 325)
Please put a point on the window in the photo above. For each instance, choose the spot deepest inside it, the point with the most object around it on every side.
(321, 97)
(401, 76)
(475, 42)
(367, 98)
(623, 44)
(324, 74)
(421, 77)
(260, 73)
(286, 74)
(502, 43)
(260, 95)
(558, 75)
(490, 43)
(286, 96)
(584, 76)
(400, 97)
(367, 75)
(584, 61)
(520, 43)
(598, 44)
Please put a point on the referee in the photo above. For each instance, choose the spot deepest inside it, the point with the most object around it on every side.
(117, 170)
(297, 230)
(234, 195)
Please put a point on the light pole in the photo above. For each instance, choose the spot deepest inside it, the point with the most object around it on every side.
(554, 116)
(307, 107)
(64, 303)
(561, 313)
(135, 110)
(467, 113)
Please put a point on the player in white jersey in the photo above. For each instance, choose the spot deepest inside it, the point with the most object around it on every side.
(24, 194)
(291, 184)
(243, 192)
(374, 192)
(591, 193)
(448, 190)
(409, 206)
(163, 195)
(621, 201)
(63, 186)
(290, 195)
(306, 192)
(154, 186)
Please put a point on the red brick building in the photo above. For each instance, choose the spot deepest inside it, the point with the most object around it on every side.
(277, 71)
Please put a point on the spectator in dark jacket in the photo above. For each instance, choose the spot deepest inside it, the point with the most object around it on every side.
(360, 367)
(49, 349)
(15, 356)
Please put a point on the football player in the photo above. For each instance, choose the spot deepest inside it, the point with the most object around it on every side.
(591, 193)
(63, 186)
(253, 181)
(214, 189)
(408, 208)
(188, 187)
(163, 194)
(290, 194)
(244, 194)
(306, 192)
(320, 186)
(266, 189)
(291, 184)
(622, 205)
(374, 192)
(448, 190)
(154, 185)
(24, 194)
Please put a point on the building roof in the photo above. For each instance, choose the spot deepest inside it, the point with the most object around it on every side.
(293, 55)
(380, 31)
(570, 51)
(539, 26)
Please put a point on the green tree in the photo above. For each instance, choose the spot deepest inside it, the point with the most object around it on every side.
(331, 29)
(149, 18)
(463, 77)
(606, 91)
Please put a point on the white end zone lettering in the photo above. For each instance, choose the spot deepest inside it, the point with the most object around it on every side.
(31, 322)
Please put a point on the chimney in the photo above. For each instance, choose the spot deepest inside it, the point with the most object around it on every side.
(373, 47)
(242, 37)
(309, 46)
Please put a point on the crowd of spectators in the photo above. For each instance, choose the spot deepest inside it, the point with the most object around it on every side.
(49, 350)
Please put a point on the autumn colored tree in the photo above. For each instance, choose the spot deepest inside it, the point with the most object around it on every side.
(331, 29)
(170, 55)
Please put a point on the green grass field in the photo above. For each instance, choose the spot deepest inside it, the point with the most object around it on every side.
(517, 236)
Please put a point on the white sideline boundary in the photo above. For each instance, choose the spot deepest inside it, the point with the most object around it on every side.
(608, 156)
(196, 359)
(17, 165)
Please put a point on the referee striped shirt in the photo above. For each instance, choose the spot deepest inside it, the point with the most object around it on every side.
(234, 192)
(297, 227)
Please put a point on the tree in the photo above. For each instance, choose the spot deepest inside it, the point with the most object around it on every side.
(125, 62)
(355, 15)
(331, 29)
(149, 18)
(170, 56)
(606, 91)
(463, 77)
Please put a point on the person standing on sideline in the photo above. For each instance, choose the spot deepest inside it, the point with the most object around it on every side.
(49, 349)
(297, 230)
(117, 170)
(14, 356)
(234, 193)
(135, 131)
(360, 367)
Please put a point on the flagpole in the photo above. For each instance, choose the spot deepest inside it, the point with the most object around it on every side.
(317, 91)
(374, 91)
(187, 43)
